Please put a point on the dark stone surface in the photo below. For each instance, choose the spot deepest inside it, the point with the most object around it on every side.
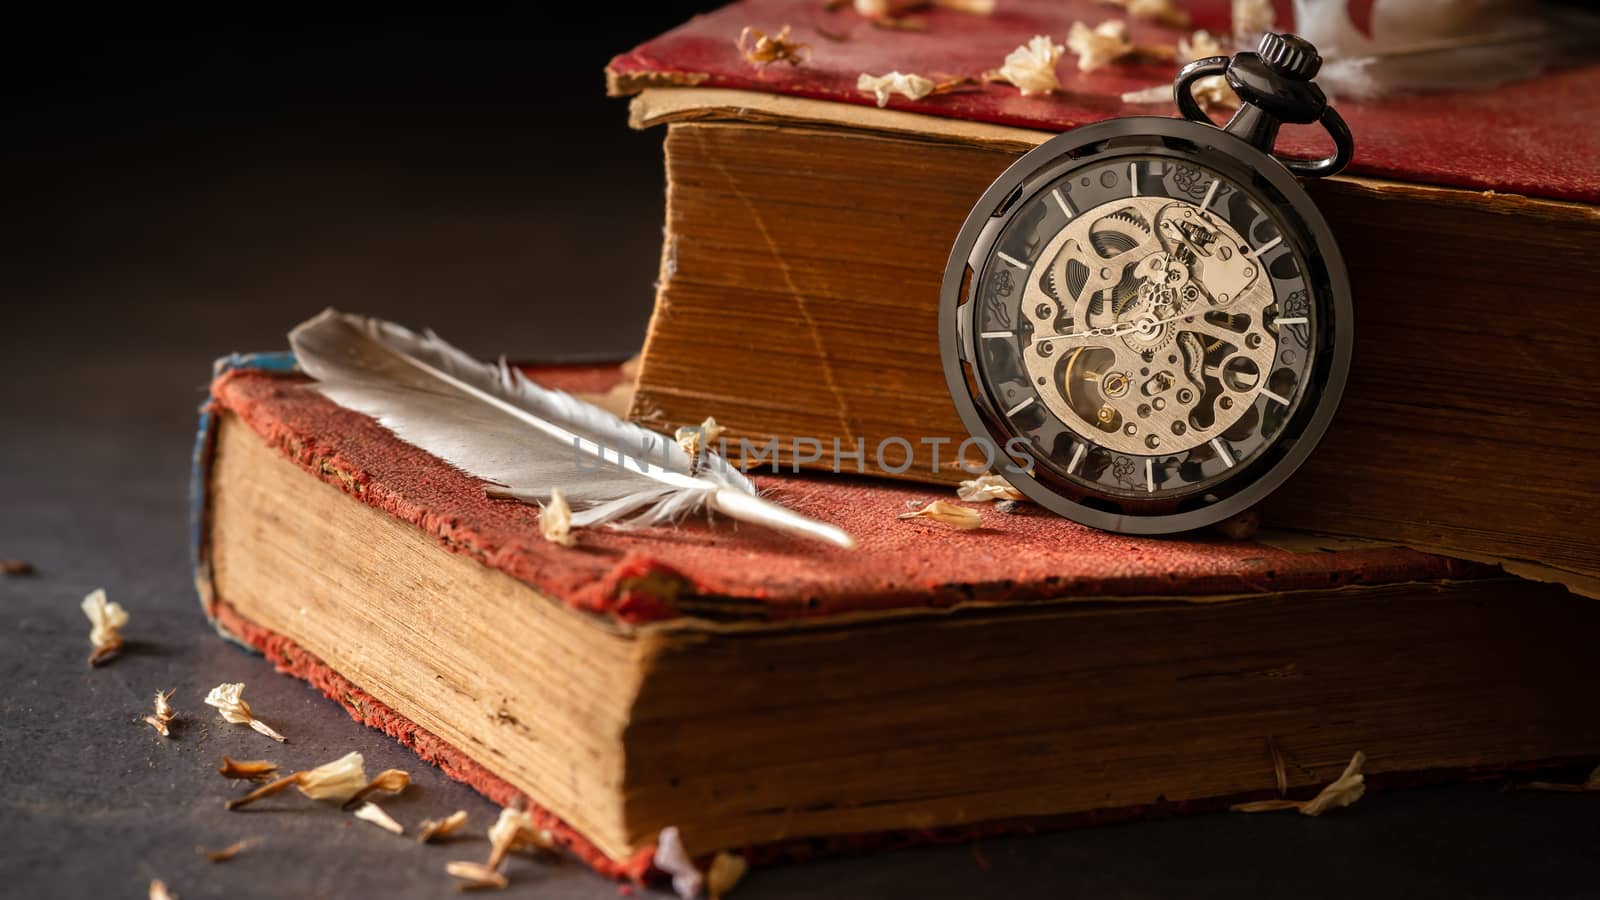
(199, 191)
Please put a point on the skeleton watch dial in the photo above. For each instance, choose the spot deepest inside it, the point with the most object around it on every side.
(1151, 317)
(1142, 323)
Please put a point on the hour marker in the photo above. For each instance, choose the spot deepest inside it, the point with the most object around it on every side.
(1149, 475)
(1000, 335)
(1061, 201)
(1292, 320)
(1271, 396)
(1222, 451)
(1011, 259)
(1077, 456)
(1211, 193)
(1020, 407)
(1133, 177)
(1267, 246)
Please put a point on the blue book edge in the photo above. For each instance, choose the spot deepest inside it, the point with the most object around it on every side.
(205, 442)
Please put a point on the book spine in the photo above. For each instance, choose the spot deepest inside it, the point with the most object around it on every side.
(205, 443)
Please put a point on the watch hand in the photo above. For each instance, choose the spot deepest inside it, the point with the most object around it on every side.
(1115, 330)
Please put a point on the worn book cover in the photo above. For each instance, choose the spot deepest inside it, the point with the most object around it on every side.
(785, 698)
(808, 229)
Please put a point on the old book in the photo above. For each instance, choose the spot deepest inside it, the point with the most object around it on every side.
(784, 699)
(807, 233)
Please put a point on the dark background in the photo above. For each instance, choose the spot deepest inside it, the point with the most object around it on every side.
(175, 190)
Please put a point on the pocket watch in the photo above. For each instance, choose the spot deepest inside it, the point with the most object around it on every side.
(1149, 314)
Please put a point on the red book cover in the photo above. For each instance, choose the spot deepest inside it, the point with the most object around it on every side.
(633, 577)
(1535, 137)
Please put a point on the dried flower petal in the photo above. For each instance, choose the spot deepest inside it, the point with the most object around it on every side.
(1251, 19)
(987, 487)
(337, 780)
(476, 876)
(912, 87)
(252, 769)
(514, 830)
(266, 790)
(1032, 66)
(226, 698)
(555, 520)
(673, 859)
(760, 49)
(163, 715)
(106, 621)
(958, 517)
(872, 8)
(1211, 92)
(230, 851)
(158, 890)
(1163, 11)
(698, 440)
(438, 828)
(372, 812)
(1099, 46)
(725, 872)
(1342, 791)
(389, 781)
(975, 7)
(15, 567)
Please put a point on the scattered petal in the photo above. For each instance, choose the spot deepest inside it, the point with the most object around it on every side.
(912, 87)
(251, 769)
(438, 828)
(698, 440)
(725, 872)
(1163, 11)
(1251, 19)
(372, 812)
(514, 830)
(228, 701)
(555, 520)
(673, 859)
(761, 49)
(1200, 45)
(1211, 92)
(158, 890)
(106, 621)
(1099, 46)
(338, 780)
(15, 567)
(975, 7)
(872, 8)
(987, 487)
(476, 876)
(1031, 68)
(164, 715)
(266, 790)
(389, 781)
(1345, 790)
(1342, 791)
(1009, 507)
(230, 851)
(958, 517)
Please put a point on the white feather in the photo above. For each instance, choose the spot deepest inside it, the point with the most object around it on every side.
(491, 422)
(1441, 45)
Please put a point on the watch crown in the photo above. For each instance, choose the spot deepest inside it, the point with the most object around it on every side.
(1289, 55)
